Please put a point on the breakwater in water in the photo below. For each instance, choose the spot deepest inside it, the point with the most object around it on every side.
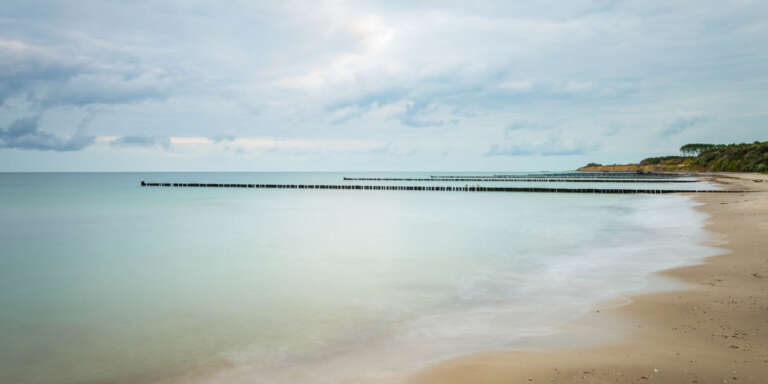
(525, 179)
(429, 188)
(601, 175)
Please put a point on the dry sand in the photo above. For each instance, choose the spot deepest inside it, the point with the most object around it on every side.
(714, 332)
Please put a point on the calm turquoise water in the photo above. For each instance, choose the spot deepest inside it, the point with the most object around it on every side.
(104, 281)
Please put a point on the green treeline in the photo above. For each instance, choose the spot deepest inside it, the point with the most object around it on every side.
(717, 158)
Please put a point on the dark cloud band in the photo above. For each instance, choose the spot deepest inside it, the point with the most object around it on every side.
(25, 134)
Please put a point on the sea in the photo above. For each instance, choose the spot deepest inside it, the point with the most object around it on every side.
(105, 281)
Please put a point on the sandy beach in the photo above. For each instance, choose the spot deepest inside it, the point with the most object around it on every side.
(713, 331)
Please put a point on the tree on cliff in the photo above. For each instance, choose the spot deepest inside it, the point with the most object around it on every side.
(695, 149)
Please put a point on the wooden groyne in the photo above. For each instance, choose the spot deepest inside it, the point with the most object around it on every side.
(430, 188)
(521, 179)
(604, 175)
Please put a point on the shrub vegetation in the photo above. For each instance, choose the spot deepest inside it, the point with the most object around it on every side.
(701, 158)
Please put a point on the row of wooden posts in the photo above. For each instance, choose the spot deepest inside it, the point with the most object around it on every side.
(568, 175)
(424, 188)
(520, 179)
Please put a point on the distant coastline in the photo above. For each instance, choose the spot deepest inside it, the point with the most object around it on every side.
(698, 158)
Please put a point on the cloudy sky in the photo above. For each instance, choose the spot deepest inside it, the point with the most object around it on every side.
(374, 85)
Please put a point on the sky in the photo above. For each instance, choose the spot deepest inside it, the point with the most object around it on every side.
(374, 85)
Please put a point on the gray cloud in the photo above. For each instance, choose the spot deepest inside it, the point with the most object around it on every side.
(25, 134)
(88, 89)
(509, 150)
(554, 144)
(681, 124)
(416, 122)
(49, 76)
(514, 129)
(142, 141)
(565, 151)
(520, 150)
(415, 115)
(612, 130)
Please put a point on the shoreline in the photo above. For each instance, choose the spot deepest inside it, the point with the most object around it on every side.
(715, 331)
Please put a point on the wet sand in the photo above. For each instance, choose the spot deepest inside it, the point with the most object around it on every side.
(714, 331)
